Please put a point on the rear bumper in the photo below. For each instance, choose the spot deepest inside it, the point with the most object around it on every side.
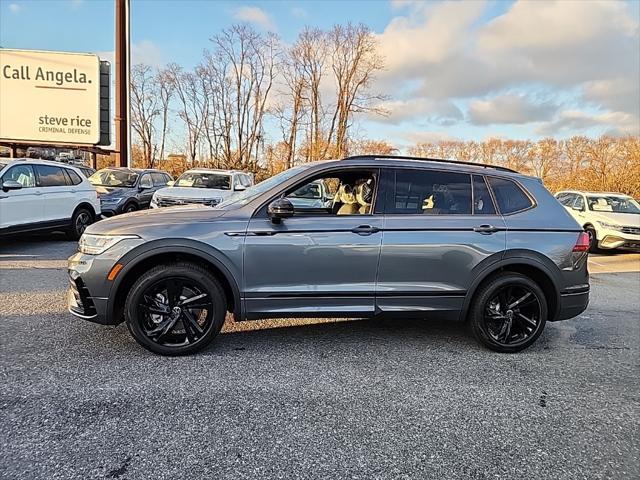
(572, 304)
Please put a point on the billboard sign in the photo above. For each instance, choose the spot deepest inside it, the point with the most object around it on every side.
(49, 97)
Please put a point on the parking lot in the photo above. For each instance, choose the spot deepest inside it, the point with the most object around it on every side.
(349, 399)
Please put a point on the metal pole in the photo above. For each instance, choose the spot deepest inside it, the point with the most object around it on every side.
(122, 124)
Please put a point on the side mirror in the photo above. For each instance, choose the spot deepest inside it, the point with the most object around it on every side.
(279, 209)
(11, 185)
(170, 183)
(239, 188)
(144, 187)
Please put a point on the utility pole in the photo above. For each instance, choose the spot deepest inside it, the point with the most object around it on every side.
(123, 62)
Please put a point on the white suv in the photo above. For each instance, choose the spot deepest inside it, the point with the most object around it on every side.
(42, 195)
(612, 220)
(204, 186)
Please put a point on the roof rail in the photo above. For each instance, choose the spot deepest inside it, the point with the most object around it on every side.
(438, 160)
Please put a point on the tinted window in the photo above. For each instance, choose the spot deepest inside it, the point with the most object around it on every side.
(509, 195)
(566, 199)
(482, 201)
(50, 176)
(145, 181)
(23, 174)
(246, 180)
(159, 179)
(429, 192)
(75, 178)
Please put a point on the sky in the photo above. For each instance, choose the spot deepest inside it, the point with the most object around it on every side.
(466, 70)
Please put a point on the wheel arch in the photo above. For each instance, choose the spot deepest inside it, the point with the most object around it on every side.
(148, 255)
(86, 205)
(526, 263)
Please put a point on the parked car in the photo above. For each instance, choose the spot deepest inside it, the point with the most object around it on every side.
(612, 220)
(125, 190)
(402, 237)
(202, 186)
(86, 171)
(43, 195)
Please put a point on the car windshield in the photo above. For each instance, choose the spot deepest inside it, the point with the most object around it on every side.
(114, 178)
(613, 204)
(240, 199)
(218, 181)
(2, 165)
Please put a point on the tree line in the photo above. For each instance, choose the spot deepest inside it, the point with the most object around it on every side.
(257, 104)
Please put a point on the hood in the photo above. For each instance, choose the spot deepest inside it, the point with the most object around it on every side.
(112, 191)
(191, 192)
(137, 222)
(623, 219)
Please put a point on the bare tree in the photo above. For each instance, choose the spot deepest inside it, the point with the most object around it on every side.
(144, 110)
(165, 89)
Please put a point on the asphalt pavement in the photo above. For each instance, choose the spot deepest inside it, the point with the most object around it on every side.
(354, 399)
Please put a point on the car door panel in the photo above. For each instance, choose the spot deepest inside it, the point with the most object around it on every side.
(311, 264)
(23, 206)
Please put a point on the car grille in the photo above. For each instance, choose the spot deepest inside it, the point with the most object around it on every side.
(631, 230)
(171, 202)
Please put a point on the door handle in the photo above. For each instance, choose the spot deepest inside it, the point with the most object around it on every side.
(365, 230)
(485, 229)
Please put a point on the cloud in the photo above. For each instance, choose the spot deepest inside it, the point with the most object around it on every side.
(426, 137)
(441, 112)
(509, 108)
(14, 7)
(299, 12)
(610, 123)
(585, 51)
(256, 16)
(145, 52)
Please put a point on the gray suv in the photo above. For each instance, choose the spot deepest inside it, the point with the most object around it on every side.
(401, 237)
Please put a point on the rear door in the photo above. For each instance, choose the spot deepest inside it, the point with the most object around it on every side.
(440, 229)
(59, 200)
(23, 206)
(146, 190)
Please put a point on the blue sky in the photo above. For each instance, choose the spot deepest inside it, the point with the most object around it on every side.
(467, 70)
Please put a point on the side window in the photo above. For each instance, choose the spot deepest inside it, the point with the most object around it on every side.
(246, 180)
(159, 179)
(509, 195)
(167, 178)
(74, 177)
(429, 192)
(23, 174)
(482, 201)
(579, 202)
(345, 193)
(568, 199)
(145, 181)
(50, 176)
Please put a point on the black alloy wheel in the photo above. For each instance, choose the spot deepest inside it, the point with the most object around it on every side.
(509, 313)
(82, 218)
(131, 207)
(175, 309)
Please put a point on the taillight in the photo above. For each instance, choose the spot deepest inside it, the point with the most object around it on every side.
(582, 245)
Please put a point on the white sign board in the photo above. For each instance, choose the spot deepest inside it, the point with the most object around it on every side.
(49, 97)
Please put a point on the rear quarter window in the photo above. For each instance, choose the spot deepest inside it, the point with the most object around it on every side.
(509, 195)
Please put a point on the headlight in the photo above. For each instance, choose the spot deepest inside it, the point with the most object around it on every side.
(97, 244)
(610, 226)
(111, 199)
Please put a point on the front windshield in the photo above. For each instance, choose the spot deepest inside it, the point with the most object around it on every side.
(240, 199)
(114, 178)
(2, 165)
(613, 204)
(218, 181)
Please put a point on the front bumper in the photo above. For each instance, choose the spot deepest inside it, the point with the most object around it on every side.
(89, 289)
(610, 239)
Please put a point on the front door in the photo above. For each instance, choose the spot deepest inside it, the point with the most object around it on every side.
(441, 228)
(323, 260)
(24, 206)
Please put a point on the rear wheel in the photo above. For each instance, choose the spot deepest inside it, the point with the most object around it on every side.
(175, 309)
(81, 219)
(508, 313)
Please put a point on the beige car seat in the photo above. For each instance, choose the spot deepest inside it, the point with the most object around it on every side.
(347, 197)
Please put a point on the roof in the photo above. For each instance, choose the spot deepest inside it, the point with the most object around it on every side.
(135, 170)
(587, 192)
(38, 161)
(215, 170)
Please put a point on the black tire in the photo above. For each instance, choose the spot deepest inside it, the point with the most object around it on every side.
(150, 314)
(593, 239)
(129, 207)
(501, 325)
(81, 219)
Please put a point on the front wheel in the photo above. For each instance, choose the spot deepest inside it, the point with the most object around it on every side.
(175, 309)
(508, 313)
(593, 239)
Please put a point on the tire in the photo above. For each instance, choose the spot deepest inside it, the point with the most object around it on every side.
(129, 207)
(593, 239)
(491, 322)
(155, 315)
(81, 219)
